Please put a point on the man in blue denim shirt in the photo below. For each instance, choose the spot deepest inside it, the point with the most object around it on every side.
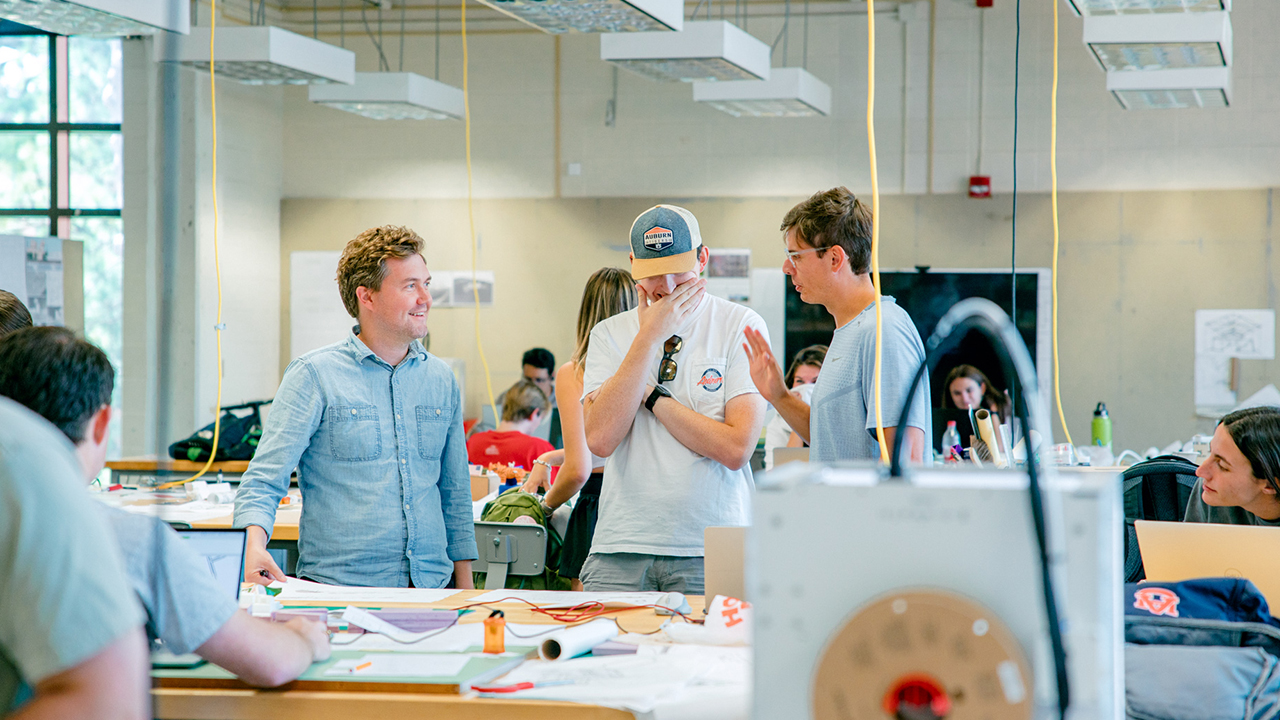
(374, 426)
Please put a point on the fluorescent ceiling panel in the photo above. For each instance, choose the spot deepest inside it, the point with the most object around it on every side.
(1144, 7)
(595, 16)
(704, 50)
(1171, 89)
(789, 92)
(100, 17)
(1160, 42)
(261, 55)
(392, 96)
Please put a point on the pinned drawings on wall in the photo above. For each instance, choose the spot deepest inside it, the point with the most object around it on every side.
(455, 289)
(729, 274)
(1224, 337)
(31, 268)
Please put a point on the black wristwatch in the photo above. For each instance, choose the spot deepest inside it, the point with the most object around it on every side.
(658, 391)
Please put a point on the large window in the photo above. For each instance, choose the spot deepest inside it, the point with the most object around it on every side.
(62, 165)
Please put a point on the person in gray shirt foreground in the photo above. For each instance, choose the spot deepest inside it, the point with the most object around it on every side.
(828, 248)
(68, 381)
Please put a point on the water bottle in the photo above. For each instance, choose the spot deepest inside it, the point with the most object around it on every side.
(1101, 428)
(950, 438)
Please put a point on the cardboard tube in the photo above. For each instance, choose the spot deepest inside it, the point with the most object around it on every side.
(575, 641)
(988, 434)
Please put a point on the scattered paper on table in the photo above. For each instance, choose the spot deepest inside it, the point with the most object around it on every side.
(565, 598)
(637, 683)
(417, 665)
(305, 591)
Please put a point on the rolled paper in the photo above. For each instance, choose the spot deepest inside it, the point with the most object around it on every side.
(988, 433)
(575, 641)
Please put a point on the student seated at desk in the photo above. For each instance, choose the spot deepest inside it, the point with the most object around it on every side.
(1240, 481)
(68, 381)
(523, 407)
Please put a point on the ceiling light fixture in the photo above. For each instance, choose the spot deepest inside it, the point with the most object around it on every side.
(1160, 42)
(1143, 7)
(705, 50)
(789, 92)
(1171, 89)
(594, 16)
(99, 17)
(392, 96)
(261, 55)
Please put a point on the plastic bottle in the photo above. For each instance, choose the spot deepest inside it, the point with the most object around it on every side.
(950, 438)
(1101, 428)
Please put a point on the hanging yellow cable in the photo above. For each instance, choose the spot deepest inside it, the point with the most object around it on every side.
(875, 212)
(217, 269)
(471, 215)
(1053, 173)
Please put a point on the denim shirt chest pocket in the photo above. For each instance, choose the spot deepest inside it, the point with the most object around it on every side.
(433, 429)
(707, 387)
(355, 433)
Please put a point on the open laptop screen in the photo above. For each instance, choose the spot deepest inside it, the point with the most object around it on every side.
(223, 552)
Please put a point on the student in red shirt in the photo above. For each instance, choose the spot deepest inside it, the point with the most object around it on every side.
(523, 408)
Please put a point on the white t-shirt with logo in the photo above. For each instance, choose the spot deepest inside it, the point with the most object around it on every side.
(658, 495)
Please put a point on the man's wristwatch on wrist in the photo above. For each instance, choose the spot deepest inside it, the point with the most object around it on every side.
(658, 391)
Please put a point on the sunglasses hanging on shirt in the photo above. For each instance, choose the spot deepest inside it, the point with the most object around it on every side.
(667, 368)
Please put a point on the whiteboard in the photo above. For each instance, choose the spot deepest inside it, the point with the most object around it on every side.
(317, 316)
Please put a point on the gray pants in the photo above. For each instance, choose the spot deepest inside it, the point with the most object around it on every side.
(634, 572)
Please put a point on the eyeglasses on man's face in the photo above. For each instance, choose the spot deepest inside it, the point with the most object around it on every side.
(667, 369)
(793, 254)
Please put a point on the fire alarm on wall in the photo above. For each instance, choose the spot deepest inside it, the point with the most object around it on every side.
(984, 3)
(979, 186)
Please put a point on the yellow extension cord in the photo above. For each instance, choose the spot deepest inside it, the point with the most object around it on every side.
(1053, 172)
(875, 212)
(471, 215)
(217, 268)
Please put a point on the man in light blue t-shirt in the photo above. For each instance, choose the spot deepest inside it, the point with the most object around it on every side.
(828, 247)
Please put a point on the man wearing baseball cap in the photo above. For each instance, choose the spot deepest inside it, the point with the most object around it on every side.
(668, 398)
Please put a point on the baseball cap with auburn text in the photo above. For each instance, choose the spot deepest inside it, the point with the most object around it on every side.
(664, 240)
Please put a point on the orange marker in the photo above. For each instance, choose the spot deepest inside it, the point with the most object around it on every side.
(495, 632)
(362, 666)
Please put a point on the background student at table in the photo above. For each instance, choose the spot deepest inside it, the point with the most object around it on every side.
(800, 377)
(68, 381)
(512, 443)
(609, 291)
(373, 424)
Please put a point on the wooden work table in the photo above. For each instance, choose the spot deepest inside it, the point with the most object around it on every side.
(177, 703)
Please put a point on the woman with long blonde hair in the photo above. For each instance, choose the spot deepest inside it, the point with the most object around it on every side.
(609, 291)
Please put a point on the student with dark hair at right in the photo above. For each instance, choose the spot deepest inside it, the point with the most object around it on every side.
(13, 314)
(1240, 480)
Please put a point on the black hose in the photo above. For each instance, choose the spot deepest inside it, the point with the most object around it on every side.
(987, 318)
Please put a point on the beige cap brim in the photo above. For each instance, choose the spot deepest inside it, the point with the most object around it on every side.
(670, 265)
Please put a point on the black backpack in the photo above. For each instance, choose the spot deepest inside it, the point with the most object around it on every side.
(237, 438)
(1155, 489)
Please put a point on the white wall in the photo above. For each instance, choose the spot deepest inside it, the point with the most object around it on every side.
(664, 144)
(250, 178)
